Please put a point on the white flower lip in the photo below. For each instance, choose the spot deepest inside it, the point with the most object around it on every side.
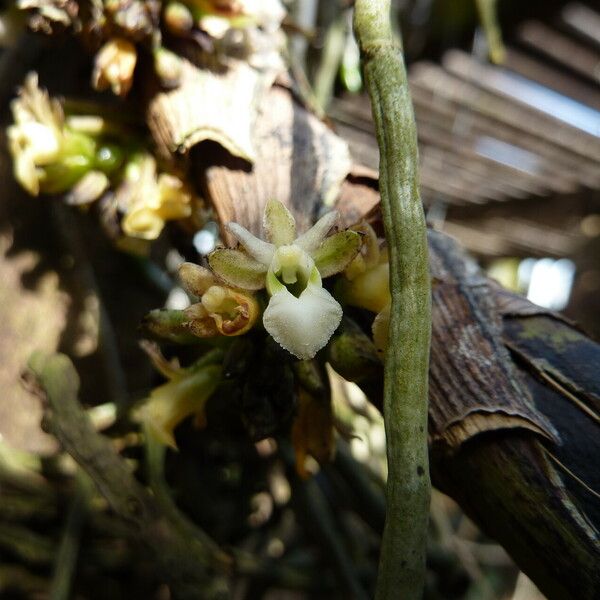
(302, 325)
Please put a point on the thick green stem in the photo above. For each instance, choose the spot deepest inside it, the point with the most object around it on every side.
(402, 561)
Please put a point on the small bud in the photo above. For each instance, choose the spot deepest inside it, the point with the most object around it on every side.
(370, 290)
(366, 279)
(381, 327)
(168, 67)
(142, 222)
(114, 66)
(352, 354)
(178, 18)
(368, 256)
(168, 325)
(89, 188)
(174, 198)
(195, 279)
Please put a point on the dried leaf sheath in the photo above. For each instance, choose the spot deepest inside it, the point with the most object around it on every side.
(299, 162)
(473, 385)
(208, 105)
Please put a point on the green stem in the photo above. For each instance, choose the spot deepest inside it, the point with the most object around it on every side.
(333, 51)
(155, 459)
(66, 558)
(488, 15)
(402, 561)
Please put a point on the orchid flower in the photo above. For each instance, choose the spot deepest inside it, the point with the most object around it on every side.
(149, 200)
(48, 156)
(221, 309)
(301, 315)
(53, 154)
(185, 394)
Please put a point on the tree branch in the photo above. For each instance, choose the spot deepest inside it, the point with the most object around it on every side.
(191, 568)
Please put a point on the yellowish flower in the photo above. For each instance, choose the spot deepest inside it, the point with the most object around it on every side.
(221, 309)
(185, 394)
(366, 280)
(114, 66)
(36, 136)
(149, 201)
(48, 156)
(366, 284)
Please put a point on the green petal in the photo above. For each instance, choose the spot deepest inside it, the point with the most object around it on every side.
(336, 252)
(279, 224)
(237, 269)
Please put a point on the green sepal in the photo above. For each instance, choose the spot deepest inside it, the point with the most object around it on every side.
(337, 252)
(279, 224)
(237, 269)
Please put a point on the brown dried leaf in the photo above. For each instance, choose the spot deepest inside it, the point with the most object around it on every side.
(299, 161)
(209, 105)
(473, 385)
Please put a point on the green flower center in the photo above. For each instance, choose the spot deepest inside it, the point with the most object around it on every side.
(292, 267)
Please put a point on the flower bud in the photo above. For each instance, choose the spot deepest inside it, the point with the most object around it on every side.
(168, 67)
(114, 66)
(184, 395)
(178, 18)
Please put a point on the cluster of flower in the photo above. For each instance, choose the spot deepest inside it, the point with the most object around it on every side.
(84, 156)
(118, 30)
(276, 282)
(300, 314)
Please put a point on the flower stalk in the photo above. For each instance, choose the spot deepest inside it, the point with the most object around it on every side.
(402, 560)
